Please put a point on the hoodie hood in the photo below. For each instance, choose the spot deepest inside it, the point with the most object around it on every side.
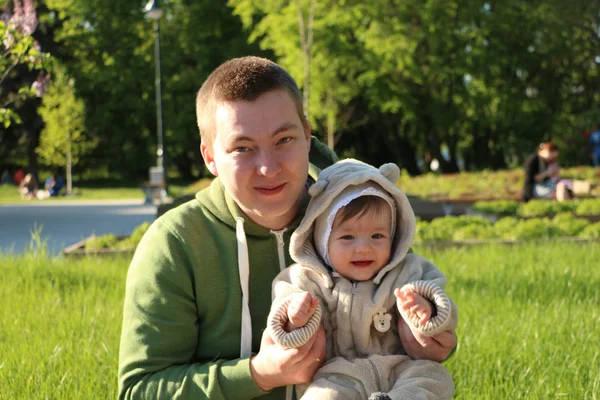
(332, 182)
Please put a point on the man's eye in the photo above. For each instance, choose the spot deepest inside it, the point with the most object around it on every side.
(241, 149)
(286, 139)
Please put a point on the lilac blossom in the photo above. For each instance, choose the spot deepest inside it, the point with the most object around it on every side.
(23, 18)
(40, 86)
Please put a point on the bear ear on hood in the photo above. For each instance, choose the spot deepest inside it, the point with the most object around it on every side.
(390, 171)
(318, 187)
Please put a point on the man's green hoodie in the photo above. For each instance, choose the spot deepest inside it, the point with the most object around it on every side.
(182, 319)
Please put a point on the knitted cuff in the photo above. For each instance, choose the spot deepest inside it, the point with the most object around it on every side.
(440, 300)
(296, 338)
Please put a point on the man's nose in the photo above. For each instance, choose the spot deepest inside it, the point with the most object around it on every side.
(268, 164)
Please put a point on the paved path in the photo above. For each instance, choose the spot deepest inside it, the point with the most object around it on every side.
(66, 222)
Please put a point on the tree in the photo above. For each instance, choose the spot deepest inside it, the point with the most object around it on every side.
(18, 48)
(63, 142)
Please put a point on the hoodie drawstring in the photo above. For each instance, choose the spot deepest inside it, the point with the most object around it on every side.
(280, 247)
(244, 269)
(289, 389)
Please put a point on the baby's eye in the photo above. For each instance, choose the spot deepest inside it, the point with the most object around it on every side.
(378, 236)
(347, 237)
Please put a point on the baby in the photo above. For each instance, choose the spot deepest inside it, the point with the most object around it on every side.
(354, 274)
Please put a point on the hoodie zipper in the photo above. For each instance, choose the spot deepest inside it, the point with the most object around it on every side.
(280, 247)
(377, 377)
(353, 292)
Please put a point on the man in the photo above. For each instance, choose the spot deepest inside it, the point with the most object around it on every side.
(199, 286)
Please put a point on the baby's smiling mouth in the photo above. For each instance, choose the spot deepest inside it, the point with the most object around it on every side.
(362, 263)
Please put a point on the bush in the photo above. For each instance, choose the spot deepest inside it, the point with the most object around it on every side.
(535, 228)
(474, 232)
(444, 228)
(570, 225)
(591, 231)
(588, 207)
(541, 208)
(469, 227)
(101, 242)
(505, 226)
(502, 207)
(112, 242)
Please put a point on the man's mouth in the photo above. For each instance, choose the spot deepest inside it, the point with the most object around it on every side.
(270, 190)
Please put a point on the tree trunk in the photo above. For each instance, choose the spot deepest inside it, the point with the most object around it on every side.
(69, 171)
(331, 130)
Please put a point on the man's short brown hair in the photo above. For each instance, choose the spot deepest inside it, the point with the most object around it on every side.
(244, 79)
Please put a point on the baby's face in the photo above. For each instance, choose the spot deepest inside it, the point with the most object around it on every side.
(360, 246)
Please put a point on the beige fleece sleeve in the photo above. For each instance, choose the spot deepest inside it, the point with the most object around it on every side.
(445, 314)
(431, 285)
(278, 319)
(296, 279)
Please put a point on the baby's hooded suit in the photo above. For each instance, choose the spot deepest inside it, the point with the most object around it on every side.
(364, 352)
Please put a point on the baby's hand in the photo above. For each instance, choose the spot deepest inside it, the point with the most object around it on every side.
(301, 308)
(413, 304)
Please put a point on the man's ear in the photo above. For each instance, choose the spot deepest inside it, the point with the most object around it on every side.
(209, 160)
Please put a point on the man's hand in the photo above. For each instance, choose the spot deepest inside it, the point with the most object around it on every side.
(421, 347)
(276, 366)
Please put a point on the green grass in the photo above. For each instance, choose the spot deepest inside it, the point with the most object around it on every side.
(529, 320)
(529, 323)
(495, 184)
(9, 193)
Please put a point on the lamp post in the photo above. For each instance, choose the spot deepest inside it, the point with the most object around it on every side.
(154, 12)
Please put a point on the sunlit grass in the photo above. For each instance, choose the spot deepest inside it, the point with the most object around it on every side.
(529, 322)
(9, 193)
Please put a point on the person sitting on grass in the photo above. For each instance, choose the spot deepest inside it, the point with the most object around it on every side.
(53, 187)
(354, 269)
(541, 175)
(28, 187)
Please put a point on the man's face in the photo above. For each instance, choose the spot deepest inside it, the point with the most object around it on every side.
(260, 152)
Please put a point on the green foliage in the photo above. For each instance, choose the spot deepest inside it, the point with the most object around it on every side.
(466, 228)
(492, 184)
(445, 228)
(504, 227)
(538, 208)
(588, 207)
(569, 225)
(591, 231)
(132, 241)
(535, 228)
(112, 242)
(474, 231)
(101, 242)
(18, 50)
(501, 207)
(64, 117)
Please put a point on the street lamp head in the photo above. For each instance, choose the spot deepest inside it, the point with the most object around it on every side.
(153, 10)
